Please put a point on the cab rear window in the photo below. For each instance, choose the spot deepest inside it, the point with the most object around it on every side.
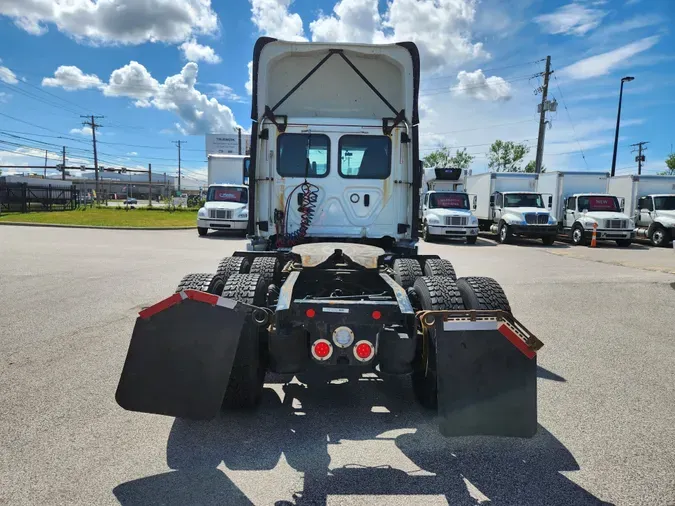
(365, 156)
(300, 155)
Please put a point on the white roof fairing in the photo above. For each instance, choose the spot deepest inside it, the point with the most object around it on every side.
(392, 70)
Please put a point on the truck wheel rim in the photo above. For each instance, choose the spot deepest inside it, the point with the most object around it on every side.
(502, 232)
(577, 235)
(657, 237)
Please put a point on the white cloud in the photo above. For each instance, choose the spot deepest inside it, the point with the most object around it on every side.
(224, 92)
(134, 81)
(440, 28)
(273, 18)
(85, 130)
(351, 21)
(193, 51)
(132, 153)
(571, 19)
(71, 78)
(476, 85)
(115, 21)
(634, 23)
(7, 76)
(249, 83)
(604, 63)
(4, 97)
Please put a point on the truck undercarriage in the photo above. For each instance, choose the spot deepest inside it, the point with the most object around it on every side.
(208, 346)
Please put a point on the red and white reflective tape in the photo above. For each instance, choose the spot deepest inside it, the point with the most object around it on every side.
(196, 295)
(504, 328)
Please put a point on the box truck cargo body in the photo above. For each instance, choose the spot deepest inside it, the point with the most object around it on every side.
(558, 186)
(507, 204)
(650, 201)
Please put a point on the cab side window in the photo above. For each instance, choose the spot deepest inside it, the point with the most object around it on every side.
(646, 203)
(499, 200)
(426, 199)
(572, 203)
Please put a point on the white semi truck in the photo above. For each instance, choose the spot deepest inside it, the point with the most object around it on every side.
(582, 203)
(446, 211)
(226, 206)
(507, 204)
(650, 201)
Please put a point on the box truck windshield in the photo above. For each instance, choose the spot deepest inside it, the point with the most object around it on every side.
(237, 194)
(599, 203)
(448, 201)
(666, 203)
(523, 200)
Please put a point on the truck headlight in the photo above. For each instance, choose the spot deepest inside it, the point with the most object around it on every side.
(631, 224)
(243, 213)
(433, 220)
(202, 213)
(589, 224)
(473, 221)
(551, 220)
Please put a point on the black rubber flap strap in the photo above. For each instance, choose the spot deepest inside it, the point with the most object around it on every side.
(486, 386)
(179, 360)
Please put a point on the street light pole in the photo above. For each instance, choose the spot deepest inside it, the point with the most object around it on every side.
(618, 120)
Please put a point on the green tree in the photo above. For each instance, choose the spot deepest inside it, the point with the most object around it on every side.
(670, 163)
(506, 156)
(531, 167)
(442, 158)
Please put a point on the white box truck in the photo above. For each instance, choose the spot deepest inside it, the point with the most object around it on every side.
(446, 211)
(581, 202)
(650, 201)
(226, 206)
(507, 204)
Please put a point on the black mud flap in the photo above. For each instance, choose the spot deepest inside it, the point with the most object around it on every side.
(487, 373)
(181, 355)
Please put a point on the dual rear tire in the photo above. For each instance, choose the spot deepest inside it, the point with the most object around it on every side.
(445, 294)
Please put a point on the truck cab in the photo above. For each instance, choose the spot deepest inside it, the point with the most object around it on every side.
(522, 214)
(584, 212)
(655, 218)
(333, 160)
(448, 214)
(226, 208)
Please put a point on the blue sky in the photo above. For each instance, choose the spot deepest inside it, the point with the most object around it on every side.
(163, 70)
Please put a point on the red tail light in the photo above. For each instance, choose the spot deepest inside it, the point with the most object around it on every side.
(364, 351)
(322, 349)
(310, 313)
(376, 315)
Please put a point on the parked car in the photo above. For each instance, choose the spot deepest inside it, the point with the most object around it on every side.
(131, 201)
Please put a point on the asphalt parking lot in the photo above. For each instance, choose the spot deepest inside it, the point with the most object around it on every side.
(68, 300)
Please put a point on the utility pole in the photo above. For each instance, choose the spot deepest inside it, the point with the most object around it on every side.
(63, 166)
(178, 143)
(149, 185)
(45, 174)
(239, 140)
(640, 158)
(93, 125)
(542, 115)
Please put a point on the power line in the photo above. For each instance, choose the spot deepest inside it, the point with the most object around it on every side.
(571, 122)
(488, 70)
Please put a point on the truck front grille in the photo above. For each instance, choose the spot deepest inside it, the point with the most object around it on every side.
(220, 214)
(455, 221)
(616, 224)
(536, 219)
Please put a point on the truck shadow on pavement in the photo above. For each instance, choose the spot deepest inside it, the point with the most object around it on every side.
(360, 438)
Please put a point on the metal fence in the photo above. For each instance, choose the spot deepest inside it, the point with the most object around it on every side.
(22, 197)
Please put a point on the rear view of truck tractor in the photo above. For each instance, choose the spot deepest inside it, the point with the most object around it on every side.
(331, 277)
